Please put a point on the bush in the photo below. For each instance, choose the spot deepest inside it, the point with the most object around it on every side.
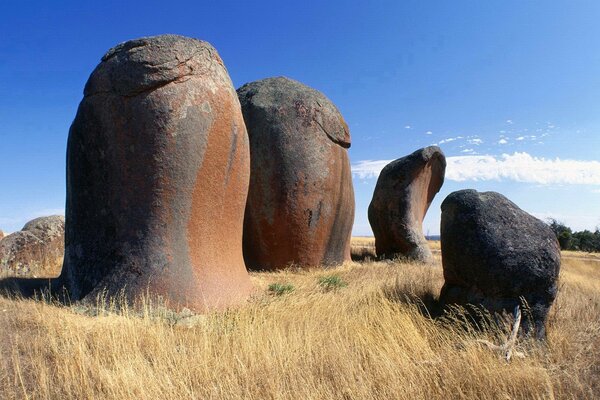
(331, 282)
(279, 289)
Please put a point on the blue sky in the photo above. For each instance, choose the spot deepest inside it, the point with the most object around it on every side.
(514, 84)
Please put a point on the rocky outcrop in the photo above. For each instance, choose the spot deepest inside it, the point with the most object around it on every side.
(405, 189)
(36, 251)
(1, 235)
(300, 206)
(157, 176)
(494, 253)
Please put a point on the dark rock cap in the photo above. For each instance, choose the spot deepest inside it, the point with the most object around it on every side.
(150, 62)
(311, 104)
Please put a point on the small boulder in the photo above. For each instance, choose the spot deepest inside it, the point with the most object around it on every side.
(494, 253)
(300, 206)
(35, 251)
(404, 191)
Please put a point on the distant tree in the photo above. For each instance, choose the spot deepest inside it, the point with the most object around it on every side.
(563, 234)
(587, 241)
(569, 240)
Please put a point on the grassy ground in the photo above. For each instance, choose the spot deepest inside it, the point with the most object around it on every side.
(356, 332)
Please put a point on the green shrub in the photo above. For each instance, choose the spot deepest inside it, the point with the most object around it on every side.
(280, 288)
(331, 282)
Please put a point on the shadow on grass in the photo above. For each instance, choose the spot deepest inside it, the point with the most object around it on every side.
(426, 301)
(363, 254)
(469, 318)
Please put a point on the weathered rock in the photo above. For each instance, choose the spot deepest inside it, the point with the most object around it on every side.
(1, 235)
(404, 191)
(157, 177)
(35, 251)
(300, 206)
(493, 253)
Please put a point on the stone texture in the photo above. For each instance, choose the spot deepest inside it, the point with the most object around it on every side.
(157, 177)
(493, 253)
(404, 191)
(300, 206)
(36, 251)
(1, 235)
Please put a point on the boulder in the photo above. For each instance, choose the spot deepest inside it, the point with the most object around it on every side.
(300, 206)
(1, 235)
(404, 191)
(36, 251)
(157, 178)
(494, 254)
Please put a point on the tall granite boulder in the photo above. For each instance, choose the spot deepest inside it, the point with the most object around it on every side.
(300, 206)
(404, 191)
(36, 251)
(494, 253)
(157, 178)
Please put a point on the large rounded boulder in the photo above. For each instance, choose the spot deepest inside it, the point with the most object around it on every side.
(300, 206)
(404, 191)
(36, 251)
(495, 255)
(157, 178)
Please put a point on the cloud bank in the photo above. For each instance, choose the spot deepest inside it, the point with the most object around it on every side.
(519, 167)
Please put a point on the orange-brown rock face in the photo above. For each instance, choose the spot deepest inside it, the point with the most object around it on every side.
(36, 251)
(300, 206)
(404, 191)
(157, 178)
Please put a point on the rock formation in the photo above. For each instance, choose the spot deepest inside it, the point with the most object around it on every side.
(36, 251)
(300, 206)
(493, 253)
(403, 193)
(157, 177)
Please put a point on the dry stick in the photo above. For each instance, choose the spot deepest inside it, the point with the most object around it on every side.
(507, 348)
(510, 344)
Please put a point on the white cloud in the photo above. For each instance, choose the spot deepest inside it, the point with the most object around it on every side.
(369, 168)
(522, 167)
(407, 127)
(452, 139)
(476, 141)
(509, 121)
(467, 151)
(428, 133)
(519, 167)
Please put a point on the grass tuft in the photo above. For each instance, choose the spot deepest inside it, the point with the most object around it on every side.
(279, 289)
(331, 282)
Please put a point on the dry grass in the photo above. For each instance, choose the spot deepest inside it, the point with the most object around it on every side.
(363, 248)
(367, 340)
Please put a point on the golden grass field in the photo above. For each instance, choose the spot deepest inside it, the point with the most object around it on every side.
(370, 339)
